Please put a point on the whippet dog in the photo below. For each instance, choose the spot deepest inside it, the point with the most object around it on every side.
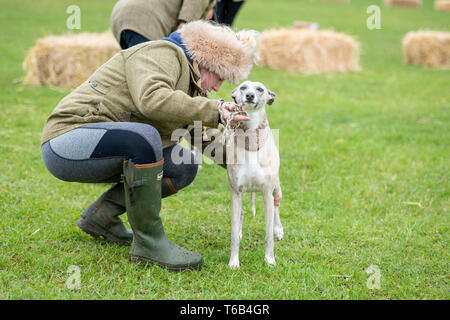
(252, 166)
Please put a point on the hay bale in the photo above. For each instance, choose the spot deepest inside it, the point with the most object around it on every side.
(403, 3)
(427, 48)
(308, 51)
(442, 5)
(67, 61)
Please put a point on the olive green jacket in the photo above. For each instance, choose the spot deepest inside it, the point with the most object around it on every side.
(151, 83)
(155, 19)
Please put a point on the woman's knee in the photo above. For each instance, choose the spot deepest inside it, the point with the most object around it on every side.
(152, 136)
(180, 166)
(189, 173)
(147, 131)
(186, 174)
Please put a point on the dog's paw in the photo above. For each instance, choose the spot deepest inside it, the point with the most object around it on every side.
(233, 264)
(279, 233)
(270, 261)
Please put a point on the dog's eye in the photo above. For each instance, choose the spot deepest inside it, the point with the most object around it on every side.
(260, 89)
(243, 88)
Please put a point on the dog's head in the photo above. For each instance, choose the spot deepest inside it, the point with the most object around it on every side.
(252, 96)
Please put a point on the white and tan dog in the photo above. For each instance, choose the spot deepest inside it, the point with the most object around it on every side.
(252, 166)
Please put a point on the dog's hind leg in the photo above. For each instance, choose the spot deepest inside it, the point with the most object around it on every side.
(269, 214)
(236, 205)
(277, 226)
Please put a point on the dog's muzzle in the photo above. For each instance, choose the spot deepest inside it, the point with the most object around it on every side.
(249, 97)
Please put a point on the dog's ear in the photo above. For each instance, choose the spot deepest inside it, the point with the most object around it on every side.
(271, 97)
(234, 94)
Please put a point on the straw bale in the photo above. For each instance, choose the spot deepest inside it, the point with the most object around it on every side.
(442, 5)
(427, 48)
(403, 3)
(308, 51)
(67, 61)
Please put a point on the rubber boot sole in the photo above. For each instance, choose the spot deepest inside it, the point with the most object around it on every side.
(98, 232)
(146, 261)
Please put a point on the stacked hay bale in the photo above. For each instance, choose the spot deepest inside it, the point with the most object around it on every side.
(427, 48)
(308, 51)
(67, 61)
(442, 5)
(403, 3)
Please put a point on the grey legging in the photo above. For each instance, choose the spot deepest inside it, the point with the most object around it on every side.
(95, 153)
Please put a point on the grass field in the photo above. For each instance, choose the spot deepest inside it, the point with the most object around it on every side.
(364, 171)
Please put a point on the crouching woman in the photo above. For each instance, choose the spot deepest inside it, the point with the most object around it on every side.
(116, 127)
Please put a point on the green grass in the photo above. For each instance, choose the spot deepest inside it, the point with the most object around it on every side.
(364, 171)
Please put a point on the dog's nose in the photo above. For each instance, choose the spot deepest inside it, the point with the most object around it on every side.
(250, 96)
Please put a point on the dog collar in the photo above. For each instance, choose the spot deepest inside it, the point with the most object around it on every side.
(251, 139)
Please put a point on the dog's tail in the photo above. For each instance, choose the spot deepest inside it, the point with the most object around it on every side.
(253, 204)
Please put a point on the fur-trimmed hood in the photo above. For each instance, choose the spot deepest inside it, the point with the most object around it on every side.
(219, 49)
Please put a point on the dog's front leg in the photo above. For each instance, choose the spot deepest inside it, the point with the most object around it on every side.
(269, 215)
(236, 205)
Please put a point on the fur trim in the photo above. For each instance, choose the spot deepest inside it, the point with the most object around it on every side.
(219, 49)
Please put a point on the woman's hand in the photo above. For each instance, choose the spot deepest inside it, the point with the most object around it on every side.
(227, 108)
(210, 15)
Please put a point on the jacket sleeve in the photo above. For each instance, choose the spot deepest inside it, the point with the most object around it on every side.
(152, 76)
(194, 9)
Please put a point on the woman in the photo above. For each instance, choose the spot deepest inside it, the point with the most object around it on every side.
(136, 21)
(119, 124)
(226, 10)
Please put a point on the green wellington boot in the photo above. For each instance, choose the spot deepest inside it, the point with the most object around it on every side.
(143, 203)
(101, 218)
